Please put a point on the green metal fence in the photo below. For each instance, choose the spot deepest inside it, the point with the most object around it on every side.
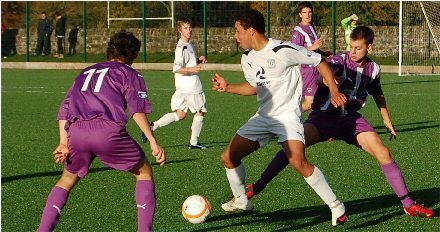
(152, 22)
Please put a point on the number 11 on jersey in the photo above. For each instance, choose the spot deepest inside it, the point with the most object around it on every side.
(90, 73)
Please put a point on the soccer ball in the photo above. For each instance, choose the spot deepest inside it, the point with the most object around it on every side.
(196, 209)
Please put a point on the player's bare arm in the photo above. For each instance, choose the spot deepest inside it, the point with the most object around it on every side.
(338, 99)
(157, 151)
(190, 70)
(62, 151)
(382, 105)
(221, 85)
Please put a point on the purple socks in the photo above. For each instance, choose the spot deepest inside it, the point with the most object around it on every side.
(397, 181)
(146, 204)
(276, 165)
(52, 211)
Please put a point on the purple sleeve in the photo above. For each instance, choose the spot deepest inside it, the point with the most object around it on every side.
(136, 95)
(336, 62)
(297, 38)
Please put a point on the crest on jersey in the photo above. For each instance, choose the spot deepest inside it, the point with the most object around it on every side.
(271, 63)
(142, 94)
(260, 74)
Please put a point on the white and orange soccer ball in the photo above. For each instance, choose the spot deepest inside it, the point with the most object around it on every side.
(196, 209)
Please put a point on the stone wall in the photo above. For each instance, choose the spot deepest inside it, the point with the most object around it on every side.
(220, 40)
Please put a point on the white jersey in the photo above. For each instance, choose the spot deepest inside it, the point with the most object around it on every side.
(186, 56)
(275, 72)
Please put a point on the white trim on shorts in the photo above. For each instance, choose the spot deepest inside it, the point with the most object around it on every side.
(263, 129)
(193, 102)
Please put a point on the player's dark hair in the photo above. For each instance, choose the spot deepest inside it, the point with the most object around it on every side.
(362, 32)
(57, 14)
(182, 21)
(252, 18)
(123, 46)
(303, 5)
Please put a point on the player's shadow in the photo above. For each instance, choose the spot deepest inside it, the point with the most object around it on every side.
(58, 173)
(410, 82)
(408, 127)
(380, 209)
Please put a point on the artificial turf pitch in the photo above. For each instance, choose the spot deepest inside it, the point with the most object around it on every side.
(104, 201)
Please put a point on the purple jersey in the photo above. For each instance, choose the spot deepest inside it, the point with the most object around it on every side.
(105, 90)
(305, 36)
(355, 81)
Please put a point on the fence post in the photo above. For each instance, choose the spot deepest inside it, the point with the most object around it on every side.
(334, 26)
(205, 29)
(144, 27)
(268, 19)
(85, 31)
(27, 31)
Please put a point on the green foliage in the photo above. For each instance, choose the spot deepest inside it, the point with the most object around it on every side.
(104, 201)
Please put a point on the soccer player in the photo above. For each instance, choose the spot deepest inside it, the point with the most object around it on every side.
(92, 122)
(348, 24)
(358, 77)
(271, 69)
(304, 34)
(189, 91)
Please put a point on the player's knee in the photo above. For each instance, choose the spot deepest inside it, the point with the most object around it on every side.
(143, 172)
(299, 164)
(306, 106)
(228, 161)
(68, 181)
(383, 154)
(181, 115)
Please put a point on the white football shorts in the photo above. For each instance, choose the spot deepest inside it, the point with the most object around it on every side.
(193, 102)
(262, 129)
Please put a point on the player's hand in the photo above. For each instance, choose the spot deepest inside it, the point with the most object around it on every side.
(61, 153)
(338, 99)
(196, 69)
(203, 59)
(354, 17)
(159, 153)
(144, 138)
(317, 44)
(219, 83)
(391, 128)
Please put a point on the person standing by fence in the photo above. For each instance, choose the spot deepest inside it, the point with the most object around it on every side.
(60, 32)
(43, 32)
(73, 39)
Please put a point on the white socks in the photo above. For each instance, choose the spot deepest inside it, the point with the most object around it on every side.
(165, 120)
(318, 183)
(236, 178)
(196, 128)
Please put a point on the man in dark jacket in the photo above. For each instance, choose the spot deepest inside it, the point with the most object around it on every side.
(60, 32)
(73, 39)
(44, 31)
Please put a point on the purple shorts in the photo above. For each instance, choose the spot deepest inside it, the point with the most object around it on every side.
(107, 140)
(340, 127)
(310, 76)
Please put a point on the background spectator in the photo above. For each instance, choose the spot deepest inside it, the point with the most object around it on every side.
(60, 32)
(44, 31)
(73, 39)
